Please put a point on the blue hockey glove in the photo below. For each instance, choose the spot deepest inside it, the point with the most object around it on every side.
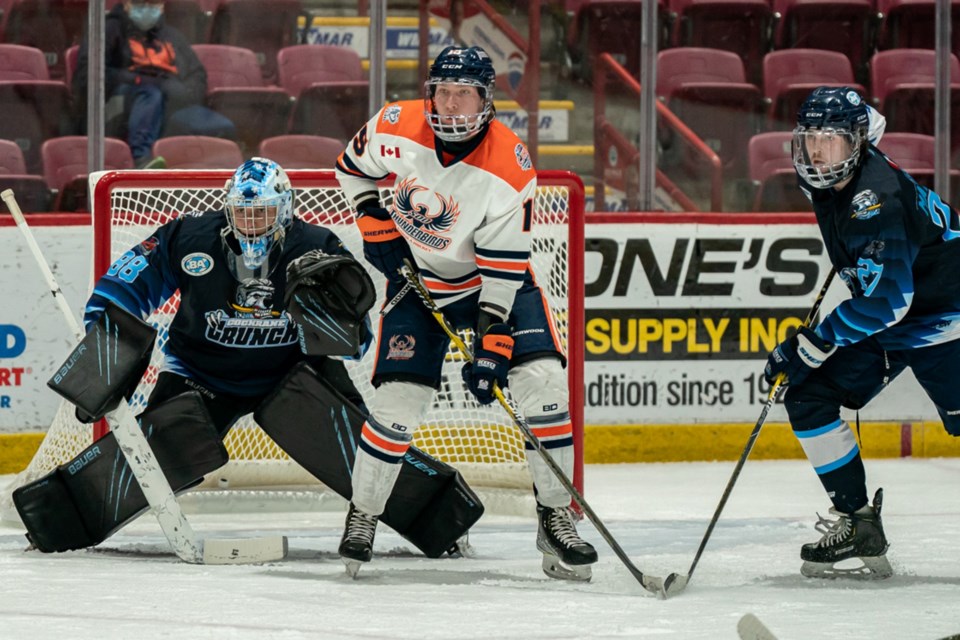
(383, 245)
(491, 362)
(797, 356)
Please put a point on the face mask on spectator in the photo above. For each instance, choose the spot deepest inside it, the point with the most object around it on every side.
(145, 16)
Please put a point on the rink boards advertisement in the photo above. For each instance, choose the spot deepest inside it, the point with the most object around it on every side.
(681, 311)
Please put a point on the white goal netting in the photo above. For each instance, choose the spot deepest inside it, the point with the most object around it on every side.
(480, 441)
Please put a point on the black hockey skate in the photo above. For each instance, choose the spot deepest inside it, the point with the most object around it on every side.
(852, 535)
(356, 545)
(566, 556)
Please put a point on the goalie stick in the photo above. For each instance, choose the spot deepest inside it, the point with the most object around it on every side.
(650, 583)
(143, 463)
(675, 583)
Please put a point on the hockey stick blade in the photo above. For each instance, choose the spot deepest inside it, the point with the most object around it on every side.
(133, 444)
(750, 628)
(650, 583)
(244, 550)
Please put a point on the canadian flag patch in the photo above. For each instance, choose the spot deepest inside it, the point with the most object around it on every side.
(389, 152)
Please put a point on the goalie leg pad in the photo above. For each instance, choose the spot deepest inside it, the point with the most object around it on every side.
(84, 501)
(431, 505)
(107, 364)
(540, 388)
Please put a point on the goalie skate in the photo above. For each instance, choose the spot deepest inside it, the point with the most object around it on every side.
(857, 535)
(566, 556)
(356, 545)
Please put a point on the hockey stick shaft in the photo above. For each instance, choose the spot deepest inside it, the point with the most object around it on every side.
(650, 583)
(674, 583)
(136, 449)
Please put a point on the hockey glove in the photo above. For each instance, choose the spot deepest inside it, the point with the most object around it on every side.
(491, 362)
(383, 245)
(797, 356)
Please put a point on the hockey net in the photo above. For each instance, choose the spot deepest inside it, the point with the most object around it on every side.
(480, 441)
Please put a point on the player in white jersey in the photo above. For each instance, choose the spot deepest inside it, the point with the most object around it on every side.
(462, 210)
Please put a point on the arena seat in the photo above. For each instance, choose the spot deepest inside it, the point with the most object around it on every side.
(740, 26)
(909, 24)
(302, 152)
(707, 89)
(264, 27)
(609, 26)
(31, 190)
(791, 74)
(65, 168)
(235, 88)
(18, 62)
(834, 25)
(331, 91)
(903, 83)
(772, 173)
(49, 25)
(198, 152)
(33, 111)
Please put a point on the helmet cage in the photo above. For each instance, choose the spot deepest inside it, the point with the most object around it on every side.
(454, 128)
(823, 176)
(259, 207)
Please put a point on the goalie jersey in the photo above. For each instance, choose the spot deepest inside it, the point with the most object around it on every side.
(467, 218)
(232, 337)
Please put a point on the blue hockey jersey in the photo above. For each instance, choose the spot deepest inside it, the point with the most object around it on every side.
(893, 242)
(232, 337)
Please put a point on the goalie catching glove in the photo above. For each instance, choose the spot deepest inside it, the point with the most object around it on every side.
(493, 348)
(797, 356)
(329, 297)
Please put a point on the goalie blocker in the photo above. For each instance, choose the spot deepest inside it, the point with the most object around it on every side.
(431, 505)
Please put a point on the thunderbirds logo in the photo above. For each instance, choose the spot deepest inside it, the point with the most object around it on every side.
(253, 322)
(418, 222)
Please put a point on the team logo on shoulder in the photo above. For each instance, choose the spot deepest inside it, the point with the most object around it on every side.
(523, 157)
(192, 214)
(197, 264)
(402, 347)
(418, 222)
(865, 205)
(392, 114)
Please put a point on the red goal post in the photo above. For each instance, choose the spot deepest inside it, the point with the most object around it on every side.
(128, 205)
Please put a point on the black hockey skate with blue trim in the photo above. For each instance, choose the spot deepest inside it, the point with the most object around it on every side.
(853, 535)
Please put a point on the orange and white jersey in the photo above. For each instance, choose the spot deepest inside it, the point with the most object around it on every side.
(467, 220)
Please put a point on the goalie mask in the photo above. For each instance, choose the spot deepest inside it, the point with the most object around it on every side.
(831, 136)
(329, 297)
(259, 206)
(448, 93)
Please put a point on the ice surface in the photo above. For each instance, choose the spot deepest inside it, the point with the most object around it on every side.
(132, 587)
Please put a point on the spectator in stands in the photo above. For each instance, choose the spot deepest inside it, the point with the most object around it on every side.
(155, 83)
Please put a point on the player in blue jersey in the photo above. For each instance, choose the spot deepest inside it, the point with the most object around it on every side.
(892, 241)
(232, 339)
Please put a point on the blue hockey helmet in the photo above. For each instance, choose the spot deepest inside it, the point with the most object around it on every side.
(830, 118)
(259, 205)
(470, 66)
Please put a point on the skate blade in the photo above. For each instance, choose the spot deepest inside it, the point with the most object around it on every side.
(352, 567)
(873, 568)
(554, 568)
